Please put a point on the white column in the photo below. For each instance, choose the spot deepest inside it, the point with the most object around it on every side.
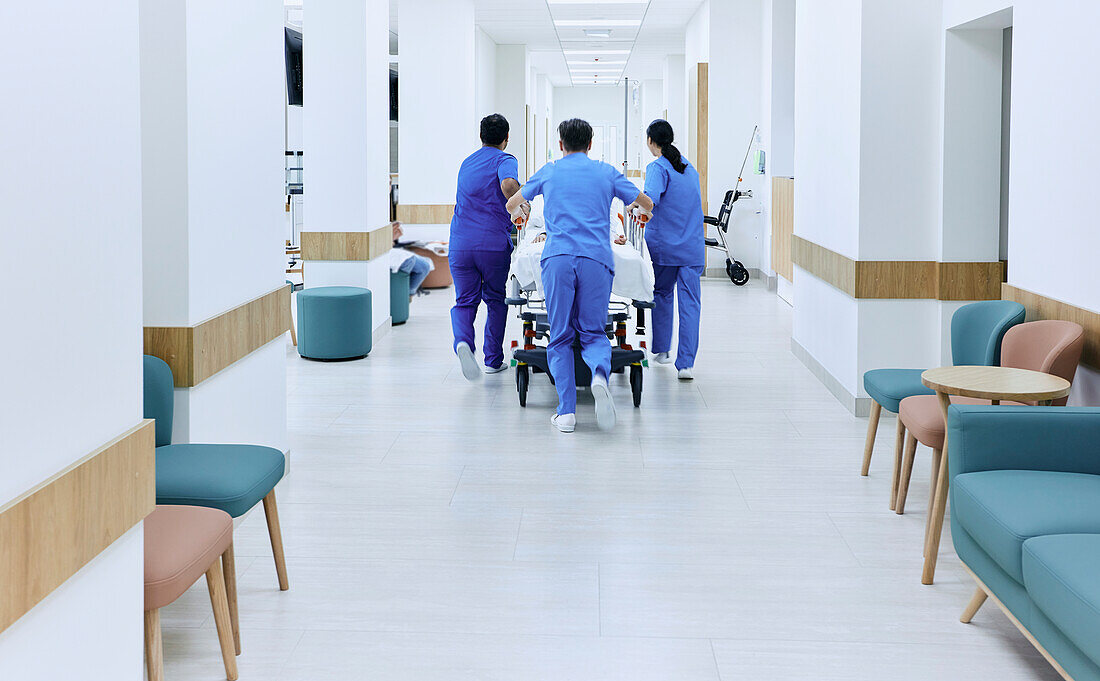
(346, 137)
(71, 346)
(213, 133)
(544, 104)
(869, 189)
(437, 68)
(513, 89)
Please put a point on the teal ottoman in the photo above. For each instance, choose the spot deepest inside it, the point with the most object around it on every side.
(334, 322)
(399, 297)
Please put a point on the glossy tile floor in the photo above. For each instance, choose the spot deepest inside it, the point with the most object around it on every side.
(436, 531)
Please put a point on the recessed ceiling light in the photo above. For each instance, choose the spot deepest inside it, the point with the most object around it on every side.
(601, 2)
(597, 32)
(598, 23)
(596, 62)
(597, 51)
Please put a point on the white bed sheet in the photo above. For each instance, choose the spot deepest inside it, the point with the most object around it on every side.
(633, 273)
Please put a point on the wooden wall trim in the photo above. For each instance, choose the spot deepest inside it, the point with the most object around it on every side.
(782, 226)
(427, 214)
(702, 131)
(1041, 307)
(195, 353)
(899, 279)
(55, 529)
(343, 246)
(828, 266)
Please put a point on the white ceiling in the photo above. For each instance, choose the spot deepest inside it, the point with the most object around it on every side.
(532, 22)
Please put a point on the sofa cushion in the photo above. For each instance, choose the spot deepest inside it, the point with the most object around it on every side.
(1062, 576)
(233, 478)
(889, 387)
(1003, 509)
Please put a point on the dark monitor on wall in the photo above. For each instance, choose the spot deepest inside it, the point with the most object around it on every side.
(393, 95)
(293, 67)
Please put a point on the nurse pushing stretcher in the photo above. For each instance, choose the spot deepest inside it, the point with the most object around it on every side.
(578, 264)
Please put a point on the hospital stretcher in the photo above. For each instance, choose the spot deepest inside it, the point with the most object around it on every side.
(631, 287)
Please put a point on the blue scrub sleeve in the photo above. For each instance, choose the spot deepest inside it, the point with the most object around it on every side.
(656, 182)
(625, 190)
(508, 168)
(535, 184)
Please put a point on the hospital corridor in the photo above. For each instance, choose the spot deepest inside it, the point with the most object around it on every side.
(550, 340)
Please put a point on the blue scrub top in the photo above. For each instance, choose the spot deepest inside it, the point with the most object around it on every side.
(578, 193)
(481, 222)
(675, 233)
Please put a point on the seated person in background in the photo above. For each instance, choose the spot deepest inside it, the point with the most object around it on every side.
(402, 260)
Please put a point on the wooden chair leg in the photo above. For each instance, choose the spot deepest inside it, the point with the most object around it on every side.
(906, 472)
(154, 646)
(229, 570)
(872, 430)
(937, 458)
(276, 534)
(899, 444)
(215, 584)
(973, 606)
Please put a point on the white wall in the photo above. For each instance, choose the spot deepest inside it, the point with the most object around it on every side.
(736, 53)
(546, 130)
(485, 74)
(597, 104)
(437, 70)
(675, 98)
(213, 107)
(513, 89)
(72, 371)
(346, 135)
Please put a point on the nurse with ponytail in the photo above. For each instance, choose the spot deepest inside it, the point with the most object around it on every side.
(675, 238)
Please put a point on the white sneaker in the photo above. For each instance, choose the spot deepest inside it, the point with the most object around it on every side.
(469, 364)
(685, 374)
(496, 370)
(566, 423)
(663, 358)
(605, 406)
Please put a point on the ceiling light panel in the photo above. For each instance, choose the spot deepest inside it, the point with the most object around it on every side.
(596, 23)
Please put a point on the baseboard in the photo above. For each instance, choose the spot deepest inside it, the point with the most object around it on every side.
(382, 330)
(859, 406)
(754, 273)
(772, 282)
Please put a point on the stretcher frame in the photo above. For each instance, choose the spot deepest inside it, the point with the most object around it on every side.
(531, 358)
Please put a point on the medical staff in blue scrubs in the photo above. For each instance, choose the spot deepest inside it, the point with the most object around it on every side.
(675, 238)
(577, 265)
(480, 248)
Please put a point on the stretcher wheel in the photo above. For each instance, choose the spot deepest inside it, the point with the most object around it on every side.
(523, 379)
(636, 383)
(737, 272)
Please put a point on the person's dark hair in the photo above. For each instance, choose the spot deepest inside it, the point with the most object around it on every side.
(661, 133)
(576, 134)
(494, 130)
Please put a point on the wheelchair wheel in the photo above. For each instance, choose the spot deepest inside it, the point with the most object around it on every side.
(636, 383)
(737, 272)
(523, 378)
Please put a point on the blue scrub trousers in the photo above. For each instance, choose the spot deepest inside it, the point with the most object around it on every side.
(577, 293)
(684, 282)
(480, 276)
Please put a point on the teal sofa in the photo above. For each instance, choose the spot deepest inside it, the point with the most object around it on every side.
(1025, 520)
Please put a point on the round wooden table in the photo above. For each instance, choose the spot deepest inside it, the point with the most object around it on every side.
(987, 383)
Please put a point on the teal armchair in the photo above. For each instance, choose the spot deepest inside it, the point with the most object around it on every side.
(229, 477)
(1025, 520)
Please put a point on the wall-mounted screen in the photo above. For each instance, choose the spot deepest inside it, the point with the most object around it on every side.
(293, 67)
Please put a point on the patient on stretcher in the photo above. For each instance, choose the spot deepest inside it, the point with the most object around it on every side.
(633, 270)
